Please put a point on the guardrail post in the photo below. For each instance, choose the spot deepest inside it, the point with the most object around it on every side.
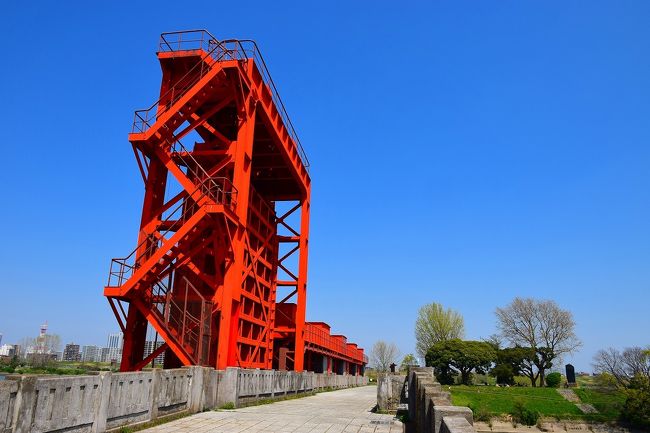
(155, 391)
(25, 404)
(101, 406)
(196, 390)
(228, 389)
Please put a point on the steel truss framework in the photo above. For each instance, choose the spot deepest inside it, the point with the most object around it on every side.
(225, 220)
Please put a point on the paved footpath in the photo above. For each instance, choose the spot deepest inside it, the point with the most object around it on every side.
(347, 410)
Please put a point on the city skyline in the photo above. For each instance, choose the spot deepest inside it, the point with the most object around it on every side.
(72, 351)
(93, 341)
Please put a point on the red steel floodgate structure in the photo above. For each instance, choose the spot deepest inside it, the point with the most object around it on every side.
(220, 267)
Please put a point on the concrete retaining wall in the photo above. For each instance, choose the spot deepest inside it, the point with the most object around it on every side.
(108, 401)
(430, 408)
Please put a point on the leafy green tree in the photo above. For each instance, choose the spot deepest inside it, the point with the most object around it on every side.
(435, 324)
(408, 361)
(527, 361)
(462, 357)
(503, 374)
(441, 356)
(515, 361)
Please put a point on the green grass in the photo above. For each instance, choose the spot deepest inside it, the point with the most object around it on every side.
(585, 381)
(57, 368)
(497, 401)
(608, 403)
(42, 370)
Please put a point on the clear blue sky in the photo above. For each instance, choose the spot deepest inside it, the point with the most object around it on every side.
(464, 152)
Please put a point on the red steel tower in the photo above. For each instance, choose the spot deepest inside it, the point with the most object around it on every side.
(221, 263)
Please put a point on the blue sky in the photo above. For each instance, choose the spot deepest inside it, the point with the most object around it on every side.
(464, 152)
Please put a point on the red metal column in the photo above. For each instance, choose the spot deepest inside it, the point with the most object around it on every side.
(302, 284)
(242, 150)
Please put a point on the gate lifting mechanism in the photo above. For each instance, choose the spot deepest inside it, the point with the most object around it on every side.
(220, 268)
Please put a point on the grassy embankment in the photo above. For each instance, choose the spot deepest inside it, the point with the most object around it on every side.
(55, 368)
(491, 401)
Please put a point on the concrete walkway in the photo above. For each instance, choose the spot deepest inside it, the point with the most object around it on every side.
(347, 410)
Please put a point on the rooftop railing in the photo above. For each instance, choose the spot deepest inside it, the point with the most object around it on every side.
(320, 337)
(230, 49)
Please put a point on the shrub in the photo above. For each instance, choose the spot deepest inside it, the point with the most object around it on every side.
(523, 415)
(636, 410)
(480, 412)
(553, 380)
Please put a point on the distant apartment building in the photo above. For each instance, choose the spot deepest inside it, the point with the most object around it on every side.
(150, 346)
(91, 353)
(113, 348)
(19, 350)
(71, 352)
(7, 350)
(115, 340)
(104, 355)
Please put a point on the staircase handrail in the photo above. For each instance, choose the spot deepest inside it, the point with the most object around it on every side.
(204, 37)
(142, 117)
(124, 269)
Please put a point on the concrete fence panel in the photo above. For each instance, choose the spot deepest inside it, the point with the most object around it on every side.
(59, 403)
(130, 398)
(247, 382)
(173, 390)
(210, 388)
(8, 395)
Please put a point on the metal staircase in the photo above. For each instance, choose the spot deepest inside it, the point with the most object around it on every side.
(146, 278)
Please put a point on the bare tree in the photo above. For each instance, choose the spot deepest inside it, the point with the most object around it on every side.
(495, 341)
(51, 343)
(24, 344)
(435, 324)
(541, 325)
(623, 366)
(383, 355)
